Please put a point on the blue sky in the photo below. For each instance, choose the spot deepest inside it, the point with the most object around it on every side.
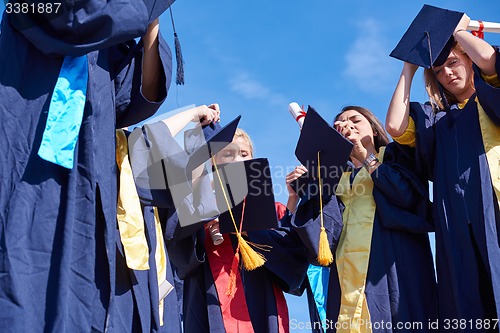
(255, 57)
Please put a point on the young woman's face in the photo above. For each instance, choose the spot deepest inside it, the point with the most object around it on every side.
(359, 126)
(455, 75)
(238, 150)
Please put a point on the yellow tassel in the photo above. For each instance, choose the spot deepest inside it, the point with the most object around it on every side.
(251, 259)
(325, 256)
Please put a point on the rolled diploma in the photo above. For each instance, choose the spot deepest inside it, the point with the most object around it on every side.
(297, 113)
(488, 26)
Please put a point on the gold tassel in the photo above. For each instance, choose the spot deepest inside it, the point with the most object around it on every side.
(325, 256)
(251, 259)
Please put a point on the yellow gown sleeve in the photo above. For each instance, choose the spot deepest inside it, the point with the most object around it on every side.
(492, 80)
(408, 138)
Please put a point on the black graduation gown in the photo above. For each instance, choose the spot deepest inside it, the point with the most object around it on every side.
(57, 226)
(450, 152)
(400, 284)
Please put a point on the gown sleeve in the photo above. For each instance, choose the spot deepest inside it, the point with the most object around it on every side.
(159, 167)
(306, 222)
(401, 196)
(424, 117)
(488, 95)
(287, 257)
(126, 69)
(187, 254)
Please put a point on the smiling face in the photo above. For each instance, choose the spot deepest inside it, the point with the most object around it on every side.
(238, 150)
(456, 75)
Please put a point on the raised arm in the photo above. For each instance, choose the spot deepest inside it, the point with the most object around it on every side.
(204, 114)
(151, 64)
(481, 53)
(396, 120)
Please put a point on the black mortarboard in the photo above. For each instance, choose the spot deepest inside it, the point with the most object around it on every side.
(249, 184)
(157, 7)
(432, 27)
(318, 136)
(203, 143)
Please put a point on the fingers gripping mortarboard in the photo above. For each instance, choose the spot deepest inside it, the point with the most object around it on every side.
(429, 39)
(334, 150)
(203, 143)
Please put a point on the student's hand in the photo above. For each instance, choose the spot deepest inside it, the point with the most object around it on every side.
(292, 176)
(346, 128)
(206, 114)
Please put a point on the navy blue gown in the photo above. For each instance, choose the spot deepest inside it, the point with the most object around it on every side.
(400, 285)
(451, 153)
(58, 226)
(285, 269)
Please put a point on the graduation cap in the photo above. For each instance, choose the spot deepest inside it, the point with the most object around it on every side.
(245, 197)
(317, 136)
(201, 143)
(429, 39)
(324, 152)
(249, 189)
(157, 7)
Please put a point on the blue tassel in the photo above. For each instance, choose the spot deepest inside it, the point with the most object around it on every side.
(180, 62)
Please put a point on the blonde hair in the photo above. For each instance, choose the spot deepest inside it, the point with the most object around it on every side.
(440, 97)
(240, 133)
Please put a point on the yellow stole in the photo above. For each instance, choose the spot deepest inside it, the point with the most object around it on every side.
(491, 141)
(353, 251)
(131, 221)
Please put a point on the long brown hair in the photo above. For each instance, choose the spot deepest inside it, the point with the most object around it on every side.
(438, 96)
(380, 138)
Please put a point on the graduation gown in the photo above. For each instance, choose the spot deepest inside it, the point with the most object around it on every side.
(451, 153)
(58, 226)
(284, 270)
(152, 149)
(138, 301)
(400, 282)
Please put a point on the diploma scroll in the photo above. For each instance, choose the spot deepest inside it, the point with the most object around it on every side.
(213, 229)
(486, 26)
(297, 113)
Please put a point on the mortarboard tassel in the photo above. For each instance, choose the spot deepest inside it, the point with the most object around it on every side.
(325, 256)
(179, 79)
